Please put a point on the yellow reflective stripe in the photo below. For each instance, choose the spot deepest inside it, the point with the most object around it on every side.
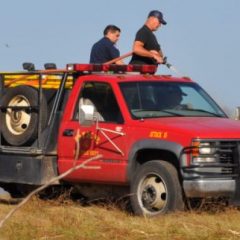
(33, 80)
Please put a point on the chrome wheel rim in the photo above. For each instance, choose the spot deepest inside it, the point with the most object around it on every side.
(17, 121)
(152, 194)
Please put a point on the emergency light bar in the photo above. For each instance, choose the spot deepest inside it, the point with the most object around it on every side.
(151, 69)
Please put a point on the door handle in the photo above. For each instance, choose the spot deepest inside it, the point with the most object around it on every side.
(68, 132)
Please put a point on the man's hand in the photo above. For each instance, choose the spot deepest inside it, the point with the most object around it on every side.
(156, 55)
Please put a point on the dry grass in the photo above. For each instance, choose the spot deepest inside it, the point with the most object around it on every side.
(69, 220)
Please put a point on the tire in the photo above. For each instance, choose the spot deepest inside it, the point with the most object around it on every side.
(20, 127)
(156, 178)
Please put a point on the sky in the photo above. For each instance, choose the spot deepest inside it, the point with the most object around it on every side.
(201, 38)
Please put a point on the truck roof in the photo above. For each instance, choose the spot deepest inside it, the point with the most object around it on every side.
(124, 72)
(136, 77)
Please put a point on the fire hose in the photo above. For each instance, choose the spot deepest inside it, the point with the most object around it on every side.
(165, 62)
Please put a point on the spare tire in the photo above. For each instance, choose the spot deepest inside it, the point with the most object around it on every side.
(20, 126)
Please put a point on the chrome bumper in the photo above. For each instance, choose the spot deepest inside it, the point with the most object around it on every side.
(209, 188)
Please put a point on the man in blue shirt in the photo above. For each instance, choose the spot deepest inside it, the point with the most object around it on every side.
(105, 50)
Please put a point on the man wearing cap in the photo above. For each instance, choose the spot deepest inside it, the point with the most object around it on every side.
(105, 50)
(175, 97)
(146, 49)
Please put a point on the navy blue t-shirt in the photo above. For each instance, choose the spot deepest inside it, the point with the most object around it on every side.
(103, 51)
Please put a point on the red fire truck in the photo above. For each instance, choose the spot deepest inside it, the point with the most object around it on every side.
(163, 141)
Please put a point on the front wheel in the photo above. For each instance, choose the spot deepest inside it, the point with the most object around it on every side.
(156, 189)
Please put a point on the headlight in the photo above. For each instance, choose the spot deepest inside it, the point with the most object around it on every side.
(206, 148)
(204, 152)
(203, 148)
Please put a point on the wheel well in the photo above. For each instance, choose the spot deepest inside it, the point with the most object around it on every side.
(145, 155)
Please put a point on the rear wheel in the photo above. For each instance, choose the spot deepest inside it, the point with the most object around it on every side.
(20, 126)
(156, 189)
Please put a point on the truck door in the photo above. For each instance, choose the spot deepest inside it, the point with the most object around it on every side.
(105, 135)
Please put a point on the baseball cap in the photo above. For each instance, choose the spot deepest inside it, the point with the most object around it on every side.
(158, 15)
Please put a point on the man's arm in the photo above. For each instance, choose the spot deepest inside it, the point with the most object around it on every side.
(120, 62)
(138, 49)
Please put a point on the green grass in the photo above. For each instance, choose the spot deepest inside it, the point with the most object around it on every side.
(69, 220)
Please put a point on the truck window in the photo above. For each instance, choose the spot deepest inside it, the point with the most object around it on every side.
(168, 99)
(102, 97)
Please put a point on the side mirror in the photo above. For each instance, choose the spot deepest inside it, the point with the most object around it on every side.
(86, 114)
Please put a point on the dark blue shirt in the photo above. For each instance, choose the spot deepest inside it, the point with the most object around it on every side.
(103, 51)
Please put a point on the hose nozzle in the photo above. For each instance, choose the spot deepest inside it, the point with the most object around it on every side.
(170, 66)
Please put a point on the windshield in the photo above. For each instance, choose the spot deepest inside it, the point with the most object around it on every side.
(164, 99)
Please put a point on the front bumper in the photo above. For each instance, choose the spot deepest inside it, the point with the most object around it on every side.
(216, 176)
(203, 188)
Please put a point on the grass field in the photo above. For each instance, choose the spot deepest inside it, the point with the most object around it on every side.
(67, 220)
